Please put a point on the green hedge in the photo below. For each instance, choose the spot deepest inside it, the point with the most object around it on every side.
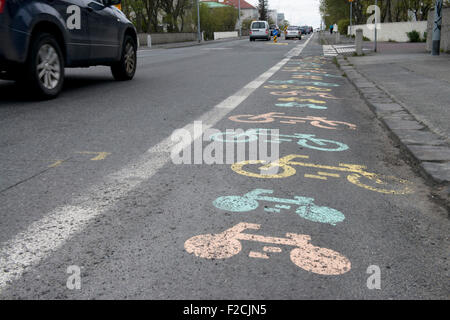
(343, 25)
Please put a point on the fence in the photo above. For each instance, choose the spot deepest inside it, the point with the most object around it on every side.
(225, 35)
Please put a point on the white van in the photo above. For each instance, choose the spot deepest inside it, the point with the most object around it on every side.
(259, 30)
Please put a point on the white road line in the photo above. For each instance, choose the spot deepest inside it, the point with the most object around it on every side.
(45, 236)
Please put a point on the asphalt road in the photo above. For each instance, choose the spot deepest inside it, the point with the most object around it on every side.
(88, 180)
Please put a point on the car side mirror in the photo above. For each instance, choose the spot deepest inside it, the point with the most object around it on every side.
(109, 3)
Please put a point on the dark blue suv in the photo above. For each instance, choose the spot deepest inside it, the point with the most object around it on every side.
(39, 38)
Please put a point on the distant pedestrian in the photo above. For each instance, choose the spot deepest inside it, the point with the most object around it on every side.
(331, 29)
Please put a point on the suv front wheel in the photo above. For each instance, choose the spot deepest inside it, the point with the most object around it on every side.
(126, 67)
(44, 69)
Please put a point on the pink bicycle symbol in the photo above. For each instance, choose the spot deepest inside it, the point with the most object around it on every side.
(304, 255)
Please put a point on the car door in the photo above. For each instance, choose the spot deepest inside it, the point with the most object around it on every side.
(103, 31)
(75, 17)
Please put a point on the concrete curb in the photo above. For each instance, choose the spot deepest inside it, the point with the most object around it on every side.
(176, 45)
(429, 152)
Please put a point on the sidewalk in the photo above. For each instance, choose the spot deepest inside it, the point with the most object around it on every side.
(409, 90)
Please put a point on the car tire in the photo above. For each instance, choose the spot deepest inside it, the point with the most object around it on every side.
(125, 69)
(43, 71)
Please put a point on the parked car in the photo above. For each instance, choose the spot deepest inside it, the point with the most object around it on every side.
(260, 30)
(274, 27)
(39, 38)
(293, 32)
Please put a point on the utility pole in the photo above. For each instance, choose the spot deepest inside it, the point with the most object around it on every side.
(376, 23)
(436, 50)
(199, 33)
(351, 16)
(240, 24)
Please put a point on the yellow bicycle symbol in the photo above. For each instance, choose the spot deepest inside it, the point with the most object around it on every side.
(358, 175)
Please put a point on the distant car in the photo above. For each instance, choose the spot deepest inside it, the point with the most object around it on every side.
(293, 32)
(274, 27)
(39, 40)
(260, 30)
(305, 30)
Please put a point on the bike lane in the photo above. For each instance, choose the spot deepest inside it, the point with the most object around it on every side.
(344, 207)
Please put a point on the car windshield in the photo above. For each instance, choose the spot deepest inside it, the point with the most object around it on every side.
(293, 28)
(258, 25)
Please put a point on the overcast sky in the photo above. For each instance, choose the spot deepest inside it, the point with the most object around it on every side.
(297, 12)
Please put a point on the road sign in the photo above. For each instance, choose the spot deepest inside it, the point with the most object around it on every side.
(275, 32)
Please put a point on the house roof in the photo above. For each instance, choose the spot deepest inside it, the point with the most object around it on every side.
(235, 3)
(213, 4)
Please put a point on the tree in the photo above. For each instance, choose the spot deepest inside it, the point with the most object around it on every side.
(263, 9)
(246, 23)
(217, 19)
(174, 12)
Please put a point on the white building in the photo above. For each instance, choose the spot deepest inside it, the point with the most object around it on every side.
(247, 10)
(273, 15)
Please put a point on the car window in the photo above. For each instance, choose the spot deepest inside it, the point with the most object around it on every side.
(258, 25)
(293, 28)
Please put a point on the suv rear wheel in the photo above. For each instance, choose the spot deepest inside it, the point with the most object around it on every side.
(44, 69)
(126, 67)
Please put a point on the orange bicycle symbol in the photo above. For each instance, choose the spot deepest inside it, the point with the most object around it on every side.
(305, 255)
(320, 122)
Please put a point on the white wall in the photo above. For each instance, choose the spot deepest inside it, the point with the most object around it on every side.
(392, 31)
(249, 13)
(225, 35)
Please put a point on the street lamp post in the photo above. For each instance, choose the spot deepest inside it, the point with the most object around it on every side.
(351, 16)
(240, 24)
(199, 33)
(376, 23)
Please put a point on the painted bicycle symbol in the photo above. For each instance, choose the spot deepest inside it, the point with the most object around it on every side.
(307, 77)
(300, 69)
(287, 86)
(304, 255)
(357, 174)
(323, 95)
(300, 105)
(302, 63)
(304, 140)
(299, 82)
(322, 75)
(305, 206)
(320, 122)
